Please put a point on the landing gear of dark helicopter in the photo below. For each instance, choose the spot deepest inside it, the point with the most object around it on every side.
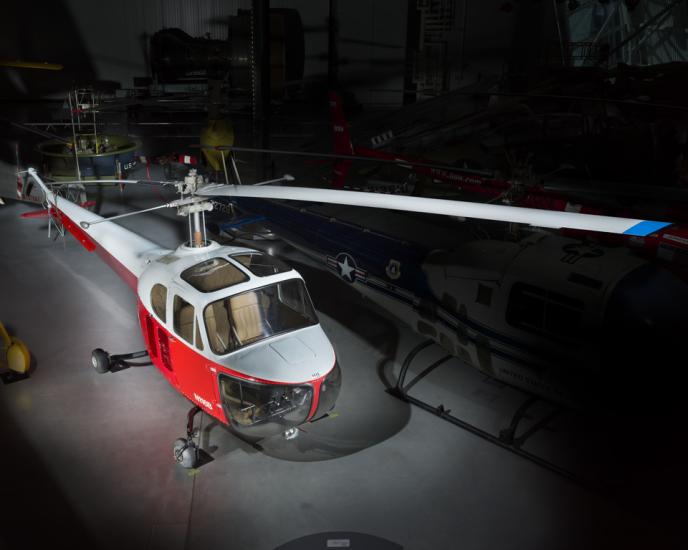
(186, 451)
(103, 362)
(507, 438)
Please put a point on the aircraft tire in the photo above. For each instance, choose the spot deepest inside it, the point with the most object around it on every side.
(186, 453)
(100, 361)
(179, 446)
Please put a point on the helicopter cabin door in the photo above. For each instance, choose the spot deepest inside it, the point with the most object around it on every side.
(194, 375)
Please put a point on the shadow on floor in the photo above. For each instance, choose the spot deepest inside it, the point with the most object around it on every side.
(36, 513)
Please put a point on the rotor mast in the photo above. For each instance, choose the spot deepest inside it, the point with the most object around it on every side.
(195, 211)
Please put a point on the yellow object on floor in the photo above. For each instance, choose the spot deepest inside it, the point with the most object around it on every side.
(14, 354)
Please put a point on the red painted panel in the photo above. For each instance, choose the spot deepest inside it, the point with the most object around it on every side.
(187, 370)
(316, 396)
(91, 245)
(150, 327)
(164, 341)
(192, 374)
(78, 233)
(118, 267)
(196, 381)
(150, 336)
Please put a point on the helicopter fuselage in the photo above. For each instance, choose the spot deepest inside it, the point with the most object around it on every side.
(232, 330)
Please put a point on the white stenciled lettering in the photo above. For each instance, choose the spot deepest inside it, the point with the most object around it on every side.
(202, 401)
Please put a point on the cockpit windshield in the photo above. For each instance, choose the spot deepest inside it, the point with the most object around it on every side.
(237, 321)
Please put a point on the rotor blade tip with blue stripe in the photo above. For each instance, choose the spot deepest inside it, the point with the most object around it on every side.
(645, 228)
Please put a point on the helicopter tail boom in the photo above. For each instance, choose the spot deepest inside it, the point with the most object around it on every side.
(124, 251)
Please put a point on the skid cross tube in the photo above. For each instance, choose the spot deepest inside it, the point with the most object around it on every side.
(508, 435)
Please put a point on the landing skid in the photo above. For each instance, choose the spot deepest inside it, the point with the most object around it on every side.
(507, 438)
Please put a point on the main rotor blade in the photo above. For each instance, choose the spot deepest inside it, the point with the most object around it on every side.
(87, 182)
(529, 216)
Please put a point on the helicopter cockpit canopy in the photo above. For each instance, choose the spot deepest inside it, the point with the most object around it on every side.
(217, 273)
(242, 319)
(213, 274)
(251, 317)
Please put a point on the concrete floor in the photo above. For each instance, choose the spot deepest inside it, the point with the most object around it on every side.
(87, 458)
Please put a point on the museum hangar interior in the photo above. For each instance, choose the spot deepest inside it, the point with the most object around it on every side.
(297, 275)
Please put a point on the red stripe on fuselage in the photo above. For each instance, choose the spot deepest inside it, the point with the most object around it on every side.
(92, 246)
(118, 267)
(78, 233)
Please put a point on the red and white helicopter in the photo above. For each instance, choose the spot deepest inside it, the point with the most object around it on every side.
(233, 329)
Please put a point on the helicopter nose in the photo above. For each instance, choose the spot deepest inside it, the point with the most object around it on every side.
(645, 336)
(329, 391)
(263, 410)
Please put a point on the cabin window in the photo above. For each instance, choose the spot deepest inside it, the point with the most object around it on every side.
(213, 275)
(185, 320)
(261, 265)
(544, 312)
(248, 317)
(158, 299)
